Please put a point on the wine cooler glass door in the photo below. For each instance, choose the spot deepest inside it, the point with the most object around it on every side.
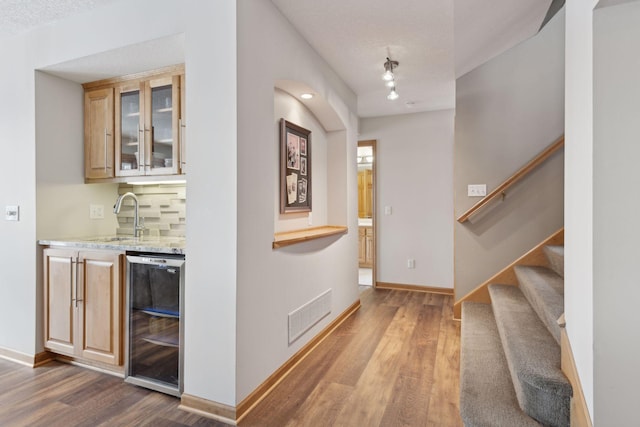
(154, 323)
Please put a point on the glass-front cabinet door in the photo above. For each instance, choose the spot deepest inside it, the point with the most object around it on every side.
(161, 126)
(147, 123)
(130, 135)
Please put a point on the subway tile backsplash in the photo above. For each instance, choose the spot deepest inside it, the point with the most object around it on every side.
(162, 209)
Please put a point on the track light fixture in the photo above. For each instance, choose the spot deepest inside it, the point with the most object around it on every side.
(390, 78)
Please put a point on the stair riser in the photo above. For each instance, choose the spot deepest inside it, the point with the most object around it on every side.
(544, 291)
(555, 255)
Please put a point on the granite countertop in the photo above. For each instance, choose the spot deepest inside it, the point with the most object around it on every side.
(159, 244)
(365, 222)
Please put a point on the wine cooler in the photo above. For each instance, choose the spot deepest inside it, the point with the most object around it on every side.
(155, 288)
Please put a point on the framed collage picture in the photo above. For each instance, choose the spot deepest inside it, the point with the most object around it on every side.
(295, 168)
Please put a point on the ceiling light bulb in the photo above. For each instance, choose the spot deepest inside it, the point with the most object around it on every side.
(306, 96)
(393, 95)
(387, 76)
(390, 83)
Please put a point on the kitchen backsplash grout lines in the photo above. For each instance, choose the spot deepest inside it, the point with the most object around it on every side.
(162, 208)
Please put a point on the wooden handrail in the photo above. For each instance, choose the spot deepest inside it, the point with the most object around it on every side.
(500, 189)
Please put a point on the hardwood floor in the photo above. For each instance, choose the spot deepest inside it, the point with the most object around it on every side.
(58, 394)
(395, 362)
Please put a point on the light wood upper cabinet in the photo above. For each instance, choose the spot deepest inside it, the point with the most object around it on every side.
(148, 117)
(130, 129)
(98, 133)
(83, 302)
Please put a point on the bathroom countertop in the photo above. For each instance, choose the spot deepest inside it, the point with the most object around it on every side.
(365, 222)
(158, 244)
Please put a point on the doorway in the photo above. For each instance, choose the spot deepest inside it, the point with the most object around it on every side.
(366, 214)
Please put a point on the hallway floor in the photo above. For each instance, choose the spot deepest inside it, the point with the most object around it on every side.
(395, 362)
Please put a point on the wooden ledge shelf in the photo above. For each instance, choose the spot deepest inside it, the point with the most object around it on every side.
(287, 238)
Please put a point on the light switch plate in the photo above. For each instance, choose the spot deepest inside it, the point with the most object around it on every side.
(477, 190)
(12, 213)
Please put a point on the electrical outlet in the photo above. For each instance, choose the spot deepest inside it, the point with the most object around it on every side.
(310, 219)
(387, 210)
(477, 190)
(96, 211)
(12, 213)
(411, 263)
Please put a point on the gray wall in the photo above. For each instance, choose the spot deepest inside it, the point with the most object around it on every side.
(414, 168)
(507, 111)
(616, 202)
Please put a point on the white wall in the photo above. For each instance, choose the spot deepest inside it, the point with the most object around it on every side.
(272, 283)
(507, 111)
(578, 204)
(288, 107)
(414, 168)
(17, 187)
(616, 203)
(210, 49)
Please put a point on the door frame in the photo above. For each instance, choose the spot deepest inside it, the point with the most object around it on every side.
(374, 210)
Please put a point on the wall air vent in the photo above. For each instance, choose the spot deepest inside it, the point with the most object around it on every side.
(303, 318)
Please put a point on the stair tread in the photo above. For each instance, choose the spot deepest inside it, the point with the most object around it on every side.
(487, 396)
(544, 290)
(533, 357)
(555, 255)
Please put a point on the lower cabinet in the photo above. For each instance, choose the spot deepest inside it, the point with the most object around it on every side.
(365, 248)
(83, 304)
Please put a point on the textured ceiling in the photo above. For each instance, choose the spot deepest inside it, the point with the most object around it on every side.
(130, 59)
(355, 37)
(18, 16)
(482, 32)
(607, 3)
(434, 41)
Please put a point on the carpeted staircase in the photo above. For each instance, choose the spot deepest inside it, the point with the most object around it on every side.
(510, 351)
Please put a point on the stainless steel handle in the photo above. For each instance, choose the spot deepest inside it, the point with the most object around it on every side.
(182, 144)
(78, 262)
(153, 138)
(154, 260)
(106, 134)
(140, 148)
(180, 141)
(71, 262)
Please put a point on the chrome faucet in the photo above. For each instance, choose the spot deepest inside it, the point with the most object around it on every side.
(136, 219)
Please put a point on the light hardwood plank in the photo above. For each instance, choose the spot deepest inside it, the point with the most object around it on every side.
(393, 363)
(62, 395)
(444, 409)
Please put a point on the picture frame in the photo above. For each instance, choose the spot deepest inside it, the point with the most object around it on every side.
(295, 168)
